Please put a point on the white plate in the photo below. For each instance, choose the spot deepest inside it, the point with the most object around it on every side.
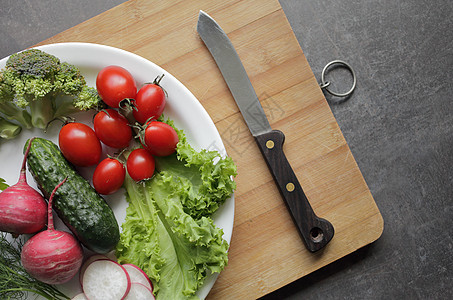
(187, 113)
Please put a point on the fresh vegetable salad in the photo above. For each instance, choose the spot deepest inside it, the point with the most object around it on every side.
(168, 243)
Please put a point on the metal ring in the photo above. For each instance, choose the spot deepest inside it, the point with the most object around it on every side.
(324, 84)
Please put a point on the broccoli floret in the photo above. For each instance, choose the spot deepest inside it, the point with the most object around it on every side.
(8, 108)
(69, 80)
(33, 62)
(36, 88)
(88, 98)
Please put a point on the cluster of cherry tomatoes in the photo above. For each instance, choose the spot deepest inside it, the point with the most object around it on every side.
(81, 145)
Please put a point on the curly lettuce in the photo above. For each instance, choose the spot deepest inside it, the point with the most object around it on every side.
(168, 230)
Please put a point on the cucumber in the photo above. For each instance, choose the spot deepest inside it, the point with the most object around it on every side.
(76, 202)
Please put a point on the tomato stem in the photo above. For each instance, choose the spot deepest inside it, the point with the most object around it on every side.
(117, 156)
(157, 81)
(64, 119)
(127, 104)
(140, 130)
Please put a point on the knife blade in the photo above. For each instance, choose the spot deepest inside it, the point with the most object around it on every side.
(315, 232)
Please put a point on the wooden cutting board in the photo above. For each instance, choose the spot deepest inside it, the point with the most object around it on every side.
(266, 251)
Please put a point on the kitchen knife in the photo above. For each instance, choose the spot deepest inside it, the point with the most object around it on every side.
(315, 232)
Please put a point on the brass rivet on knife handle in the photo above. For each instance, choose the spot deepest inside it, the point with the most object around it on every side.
(270, 144)
(290, 187)
(315, 232)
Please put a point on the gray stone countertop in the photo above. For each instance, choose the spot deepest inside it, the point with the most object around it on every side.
(398, 124)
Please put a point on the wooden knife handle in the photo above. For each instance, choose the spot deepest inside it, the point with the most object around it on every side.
(315, 232)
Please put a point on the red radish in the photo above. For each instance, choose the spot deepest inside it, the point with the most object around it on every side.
(52, 256)
(105, 279)
(22, 208)
(139, 292)
(88, 261)
(80, 296)
(138, 275)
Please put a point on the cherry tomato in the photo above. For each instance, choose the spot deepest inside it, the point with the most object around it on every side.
(112, 128)
(159, 138)
(114, 84)
(149, 102)
(79, 144)
(140, 164)
(108, 177)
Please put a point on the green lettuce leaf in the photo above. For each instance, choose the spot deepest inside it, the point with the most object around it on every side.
(168, 231)
(208, 184)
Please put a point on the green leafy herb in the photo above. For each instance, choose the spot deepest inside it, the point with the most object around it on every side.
(3, 184)
(15, 282)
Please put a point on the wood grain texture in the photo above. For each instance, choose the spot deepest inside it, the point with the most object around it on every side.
(266, 251)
